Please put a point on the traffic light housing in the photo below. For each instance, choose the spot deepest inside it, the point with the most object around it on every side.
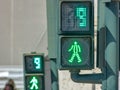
(76, 17)
(33, 71)
(34, 63)
(76, 35)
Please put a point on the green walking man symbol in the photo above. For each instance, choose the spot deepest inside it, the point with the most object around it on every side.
(34, 83)
(75, 49)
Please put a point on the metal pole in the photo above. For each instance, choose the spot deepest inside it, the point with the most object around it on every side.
(54, 75)
(101, 26)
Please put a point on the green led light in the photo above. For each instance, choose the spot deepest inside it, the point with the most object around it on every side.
(75, 49)
(81, 14)
(37, 62)
(34, 83)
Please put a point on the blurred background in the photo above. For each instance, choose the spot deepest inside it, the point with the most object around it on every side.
(23, 29)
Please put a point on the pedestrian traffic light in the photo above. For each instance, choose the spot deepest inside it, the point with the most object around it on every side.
(33, 71)
(34, 82)
(34, 63)
(76, 35)
(76, 52)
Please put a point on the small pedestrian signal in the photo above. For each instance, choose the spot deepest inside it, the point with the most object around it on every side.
(34, 83)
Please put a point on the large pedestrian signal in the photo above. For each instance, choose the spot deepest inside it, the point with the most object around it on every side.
(34, 71)
(76, 35)
(75, 52)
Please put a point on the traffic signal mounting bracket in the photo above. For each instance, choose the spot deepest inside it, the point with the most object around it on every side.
(87, 78)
